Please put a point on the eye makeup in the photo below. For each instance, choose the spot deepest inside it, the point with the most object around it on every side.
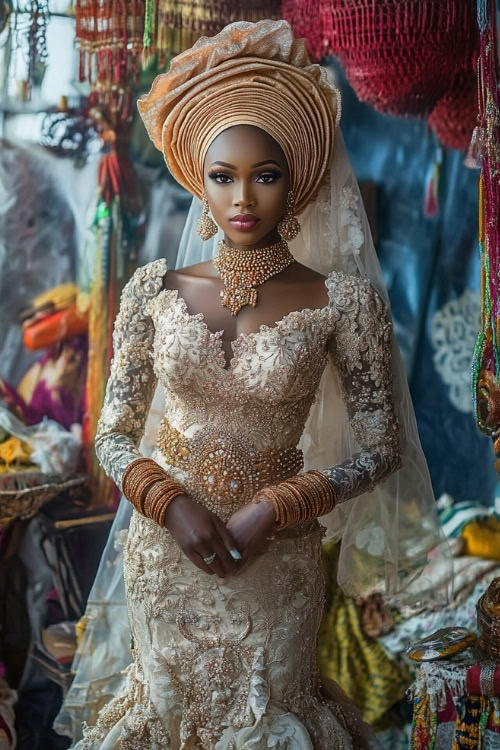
(267, 177)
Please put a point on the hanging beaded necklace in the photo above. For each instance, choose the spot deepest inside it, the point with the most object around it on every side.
(242, 270)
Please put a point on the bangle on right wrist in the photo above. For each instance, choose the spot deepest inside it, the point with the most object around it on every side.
(150, 488)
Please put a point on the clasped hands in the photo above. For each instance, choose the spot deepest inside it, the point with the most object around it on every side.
(200, 533)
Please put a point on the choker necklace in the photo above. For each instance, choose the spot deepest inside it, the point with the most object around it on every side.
(242, 270)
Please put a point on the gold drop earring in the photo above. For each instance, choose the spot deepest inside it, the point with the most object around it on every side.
(206, 226)
(289, 226)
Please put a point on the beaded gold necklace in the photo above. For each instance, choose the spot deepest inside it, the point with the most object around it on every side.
(242, 270)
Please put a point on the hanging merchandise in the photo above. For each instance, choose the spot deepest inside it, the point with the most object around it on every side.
(486, 362)
(113, 239)
(37, 38)
(399, 55)
(28, 25)
(69, 132)
(455, 115)
(171, 26)
(109, 34)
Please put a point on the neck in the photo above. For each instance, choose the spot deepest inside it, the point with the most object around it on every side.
(270, 239)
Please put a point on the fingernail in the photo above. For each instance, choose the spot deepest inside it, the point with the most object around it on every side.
(235, 554)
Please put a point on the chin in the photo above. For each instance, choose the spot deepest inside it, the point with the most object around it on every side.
(245, 238)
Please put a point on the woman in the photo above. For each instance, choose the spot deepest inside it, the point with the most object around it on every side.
(222, 560)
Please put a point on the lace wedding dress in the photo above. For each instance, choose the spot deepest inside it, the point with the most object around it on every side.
(230, 664)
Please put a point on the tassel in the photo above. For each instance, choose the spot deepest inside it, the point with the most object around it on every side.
(148, 26)
(431, 200)
(81, 67)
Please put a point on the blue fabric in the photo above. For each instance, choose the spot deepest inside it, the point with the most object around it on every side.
(427, 263)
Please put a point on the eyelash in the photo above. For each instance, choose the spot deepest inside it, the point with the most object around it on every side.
(216, 176)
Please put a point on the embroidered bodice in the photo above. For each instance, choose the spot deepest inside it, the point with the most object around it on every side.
(268, 389)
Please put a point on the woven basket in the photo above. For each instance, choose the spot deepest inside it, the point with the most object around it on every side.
(23, 494)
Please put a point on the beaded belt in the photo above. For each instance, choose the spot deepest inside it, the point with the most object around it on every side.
(223, 466)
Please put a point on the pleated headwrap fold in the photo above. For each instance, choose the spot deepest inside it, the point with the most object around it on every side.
(249, 74)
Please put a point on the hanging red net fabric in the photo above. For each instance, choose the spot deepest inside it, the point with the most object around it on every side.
(399, 55)
(455, 115)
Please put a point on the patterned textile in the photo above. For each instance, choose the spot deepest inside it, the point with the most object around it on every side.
(231, 663)
(54, 386)
(428, 263)
(454, 517)
(358, 663)
(460, 613)
(444, 717)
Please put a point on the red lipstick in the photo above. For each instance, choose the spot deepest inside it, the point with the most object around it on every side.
(244, 222)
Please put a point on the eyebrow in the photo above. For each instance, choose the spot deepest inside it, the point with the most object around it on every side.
(254, 166)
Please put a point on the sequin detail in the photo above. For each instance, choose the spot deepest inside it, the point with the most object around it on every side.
(222, 469)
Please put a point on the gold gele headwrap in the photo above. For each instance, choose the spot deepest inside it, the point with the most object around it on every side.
(249, 74)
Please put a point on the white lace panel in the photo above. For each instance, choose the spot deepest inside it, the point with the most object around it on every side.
(361, 351)
(132, 381)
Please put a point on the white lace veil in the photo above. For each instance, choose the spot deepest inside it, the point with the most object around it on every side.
(387, 535)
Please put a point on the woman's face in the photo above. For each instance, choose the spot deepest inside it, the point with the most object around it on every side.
(246, 183)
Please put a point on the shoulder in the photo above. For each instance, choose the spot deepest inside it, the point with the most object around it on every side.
(147, 281)
(349, 289)
(203, 270)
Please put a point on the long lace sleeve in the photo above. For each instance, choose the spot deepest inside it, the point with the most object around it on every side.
(132, 381)
(361, 351)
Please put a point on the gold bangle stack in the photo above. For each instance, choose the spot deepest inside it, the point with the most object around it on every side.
(150, 488)
(301, 498)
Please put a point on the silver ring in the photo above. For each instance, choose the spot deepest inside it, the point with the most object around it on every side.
(209, 560)
(487, 679)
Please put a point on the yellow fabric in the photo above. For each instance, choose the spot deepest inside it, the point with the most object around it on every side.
(14, 451)
(61, 296)
(358, 663)
(249, 74)
(482, 538)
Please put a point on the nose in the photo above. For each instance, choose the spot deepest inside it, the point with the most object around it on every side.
(243, 197)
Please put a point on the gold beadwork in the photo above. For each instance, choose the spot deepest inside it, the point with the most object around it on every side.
(241, 270)
(289, 226)
(206, 227)
(223, 467)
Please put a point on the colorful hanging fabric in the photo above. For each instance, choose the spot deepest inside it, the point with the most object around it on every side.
(400, 56)
(454, 117)
(172, 26)
(424, 725)
(486, 361)
(470, 725)
(112, 241)
(109, 34)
